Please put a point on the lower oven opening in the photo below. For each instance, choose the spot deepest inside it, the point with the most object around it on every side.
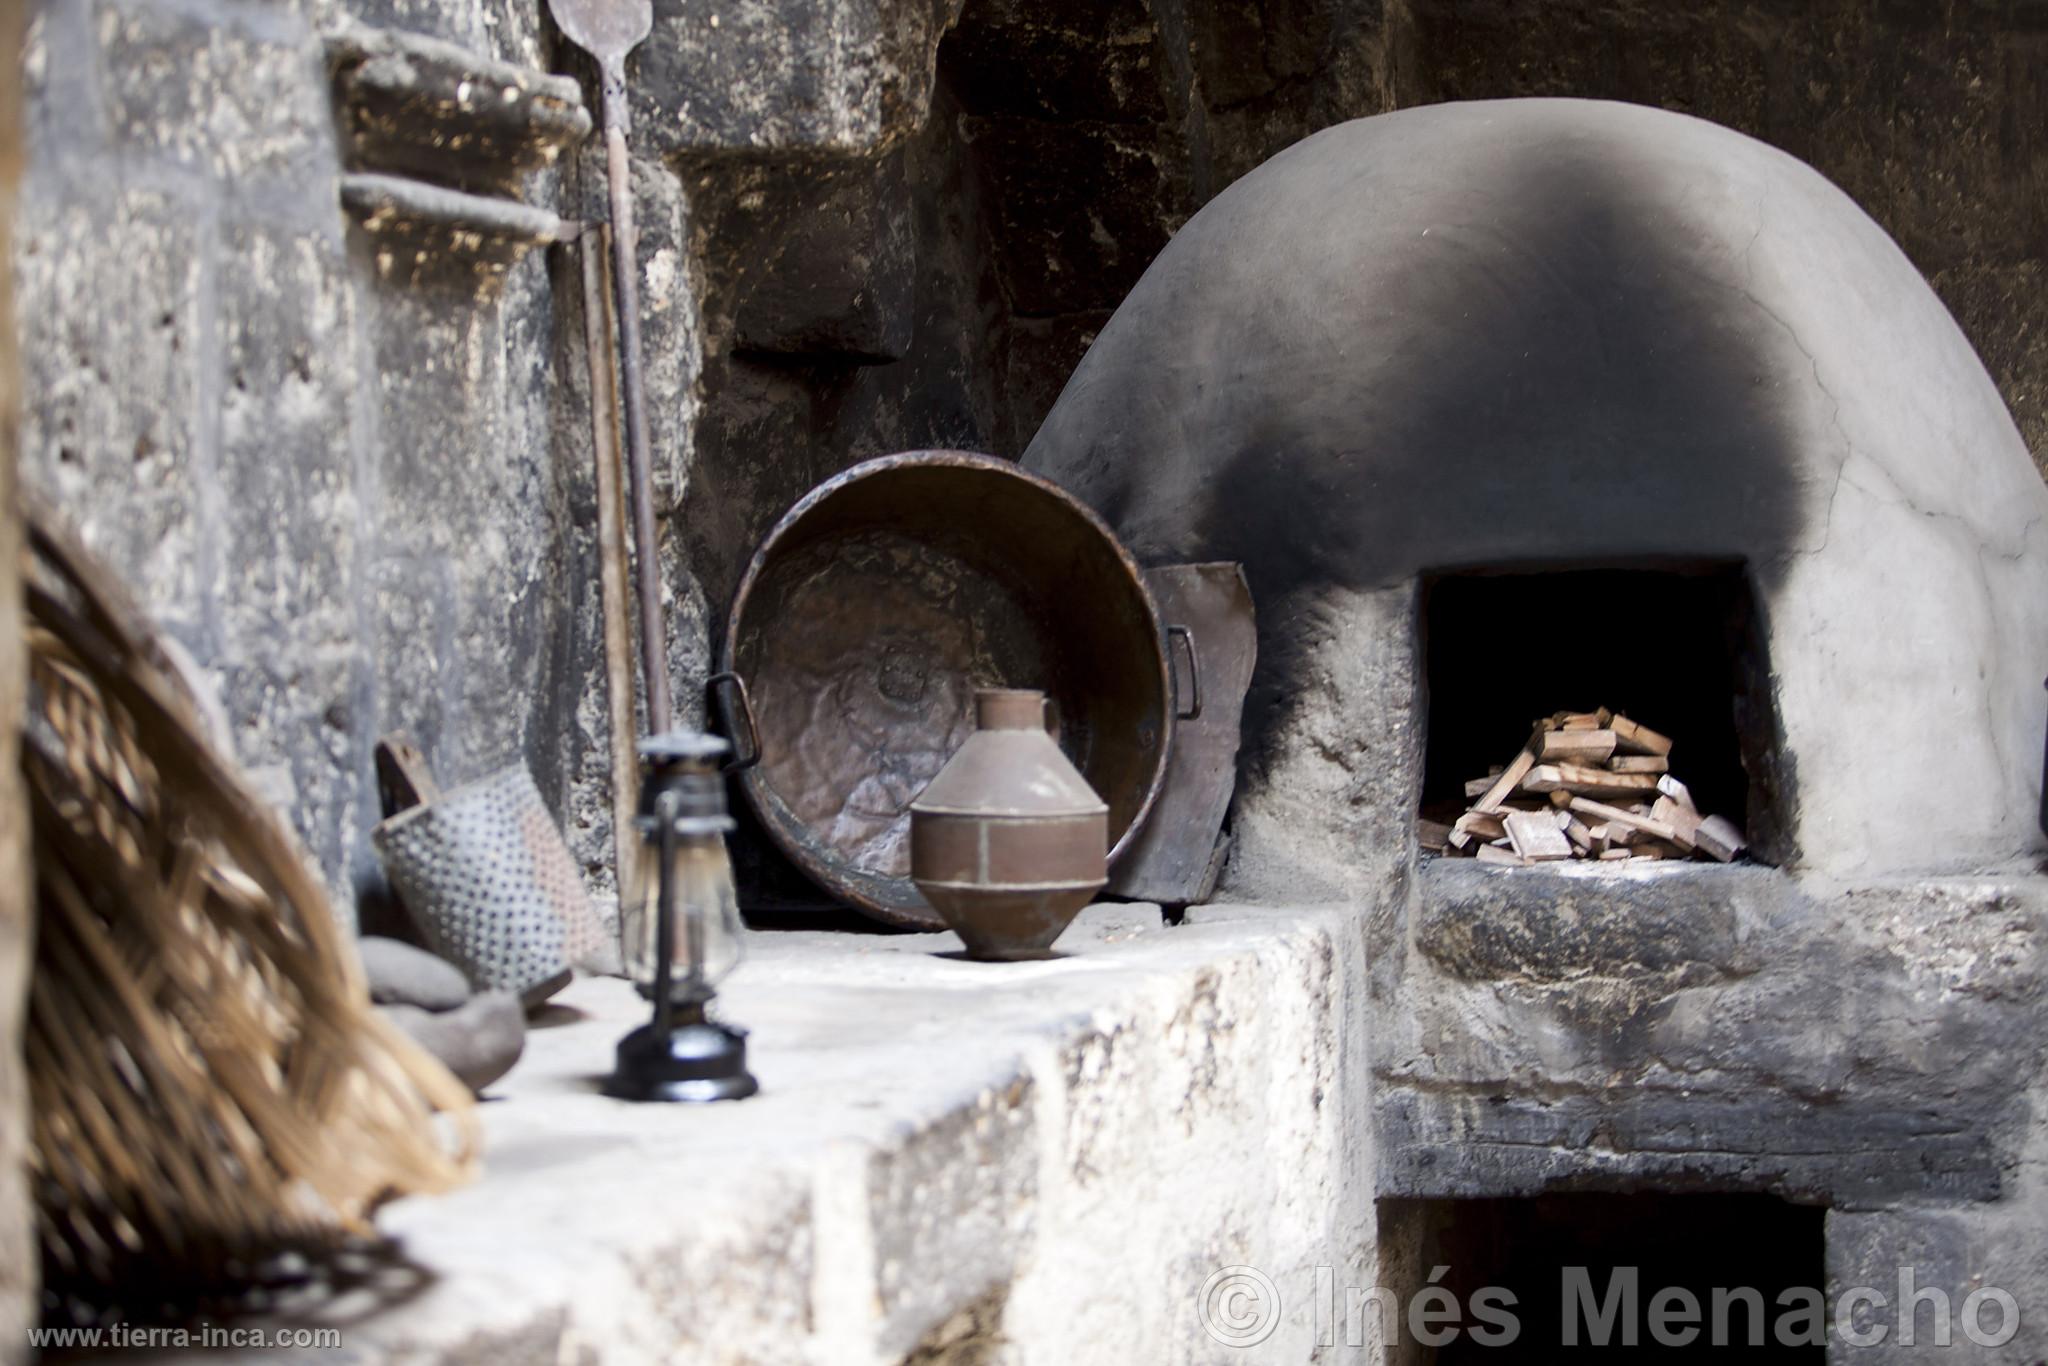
(1624, 1278)
(1674, 653)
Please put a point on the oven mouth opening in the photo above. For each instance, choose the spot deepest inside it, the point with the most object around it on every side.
(1674, 647)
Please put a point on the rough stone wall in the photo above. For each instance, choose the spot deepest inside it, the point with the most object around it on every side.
(1086, 134)
(17, 1242)
(359, 499)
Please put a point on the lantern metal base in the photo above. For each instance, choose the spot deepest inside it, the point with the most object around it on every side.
(696, 1060)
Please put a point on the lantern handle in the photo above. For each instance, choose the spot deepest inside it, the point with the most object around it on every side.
(752, 756)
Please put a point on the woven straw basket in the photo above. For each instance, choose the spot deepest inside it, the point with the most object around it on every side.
(208, 1082)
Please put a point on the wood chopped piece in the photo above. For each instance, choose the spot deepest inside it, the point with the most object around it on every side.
(1588, 785)
(1578, 746)
(1614, 816)
(1635, 739)
(1485, 824)
(1510, 778)
(1536, 837)
(1680, 816)
(1718, 838)
(1588, 782)
(1675, 790)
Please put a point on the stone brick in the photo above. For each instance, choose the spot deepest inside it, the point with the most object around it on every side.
(292, 707)
(950, 1207)
(844, 74)
(111, 332)
(287, 370)
(217, 95)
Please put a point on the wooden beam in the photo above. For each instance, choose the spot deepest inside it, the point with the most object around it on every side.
(1509, 779)
(1581, 837)
(1588, 782)
(1614, 816)
(1578, 746)
(1635, 739)
(1485, 824)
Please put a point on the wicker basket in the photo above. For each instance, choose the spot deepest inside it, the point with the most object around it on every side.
(209, 1084)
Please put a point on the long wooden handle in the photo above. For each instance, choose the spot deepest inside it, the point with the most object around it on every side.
(614, 569)
(639, 462)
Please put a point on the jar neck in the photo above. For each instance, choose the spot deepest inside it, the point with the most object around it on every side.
(1009, 709)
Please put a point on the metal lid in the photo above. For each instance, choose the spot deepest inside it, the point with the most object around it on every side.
(679, 746)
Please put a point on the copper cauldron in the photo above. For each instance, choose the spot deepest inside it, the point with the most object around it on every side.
(873, 611)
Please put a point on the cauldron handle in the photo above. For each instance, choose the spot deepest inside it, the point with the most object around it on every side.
(753, 752)
(1187, 639)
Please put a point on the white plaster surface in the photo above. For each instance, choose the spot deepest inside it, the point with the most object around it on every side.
(1023, 1163)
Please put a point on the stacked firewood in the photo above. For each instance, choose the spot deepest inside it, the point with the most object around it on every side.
(1588, 785)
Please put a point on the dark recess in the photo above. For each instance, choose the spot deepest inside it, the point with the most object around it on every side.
(1675, 648)
(1698, 1243)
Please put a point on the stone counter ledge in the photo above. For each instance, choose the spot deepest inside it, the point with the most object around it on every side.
(945, 1156)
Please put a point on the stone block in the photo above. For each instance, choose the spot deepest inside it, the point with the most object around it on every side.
(230, 97)
(412, 654)
(112, 344)
(1949, 1269)
(1679, 927)
(1851, 1045)
(950, 1211)
(293, 711)
(844, 74)
(288, 367)
(1248, 1145)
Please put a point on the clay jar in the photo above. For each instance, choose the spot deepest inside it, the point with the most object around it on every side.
(1009, 842)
